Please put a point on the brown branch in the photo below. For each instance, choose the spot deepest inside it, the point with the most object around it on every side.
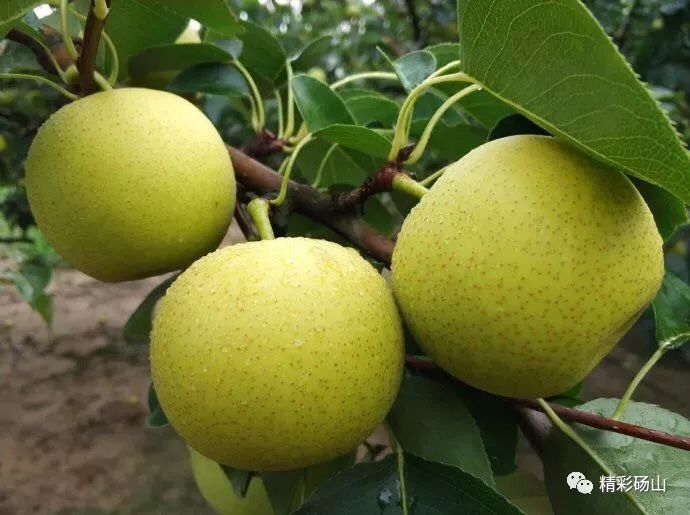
(571, 414)
(89, 51)
(381, 181)
(265, 143)
(308, 201)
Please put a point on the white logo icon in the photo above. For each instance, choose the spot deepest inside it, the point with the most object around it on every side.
(578, 481)
(585, 486)
(574, 478)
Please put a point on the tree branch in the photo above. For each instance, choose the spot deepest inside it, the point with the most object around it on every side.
(570, 414)
(308, 201)
(87, 57)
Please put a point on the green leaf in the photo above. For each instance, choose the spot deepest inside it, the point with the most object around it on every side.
(341, 168)
(31, 280)
(367, 109)
(555, 64)
(526, 492)
(672, 312)
(239, 479)
(281, 488)
(133, 25)
(214, 14)
(349, 94)
(138, 326)
(451, 143)
(311, 54)
(175, 57)
(319, 105)
(668, 210)
(429, 488)
(431, 421)
(11, 13)
(414, 67)
(483, 106)
(626, 456)
(262, 53)
(358, 138)
(444, 53)
(210, 78)
(156, 416)
(513, 125)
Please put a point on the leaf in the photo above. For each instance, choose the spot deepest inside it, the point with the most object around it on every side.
(672, 312)
(430, 488)
(210, 78)
(444, 53)
(156, 416)
(11, 13)
(414, 67)
(175, 57)
(239, 479)
(358, 138)
(133, 25)
(555, 64)
(367, 109)
(513, 125)
(451, 143)
(138, 326)
(431, 421)
(484, 107)
(497, 424)
(262, 52)
(319, 105)
(668, 210)
(281, 488)
(341, 167)
(526, 492)
(214, 14)
(311, 54)
(31, 280)
(349, 94)
(626, 456)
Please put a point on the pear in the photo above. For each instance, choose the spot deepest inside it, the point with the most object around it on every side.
(524, 265)
(278, 354)
(130, 183)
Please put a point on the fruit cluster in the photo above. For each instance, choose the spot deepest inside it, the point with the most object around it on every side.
(517, 272)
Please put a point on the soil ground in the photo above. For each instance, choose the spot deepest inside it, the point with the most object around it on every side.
(73, 403)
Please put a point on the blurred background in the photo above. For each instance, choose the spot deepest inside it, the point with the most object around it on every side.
(73, 391)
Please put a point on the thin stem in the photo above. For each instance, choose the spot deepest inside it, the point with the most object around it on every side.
(400, 458)
(572, 434)
(278, 201)
(42, 80)
(260, 114)
(64, 27)
(429, 129)
(101, 81)
(406, 184)
(254, 119)
(290, 121)
(636, 381)
(319, 172)
(428, 180)
(445, 68)
(362, 76)
(100, 9)
(402, 125)
(259, 210)
(279, 107)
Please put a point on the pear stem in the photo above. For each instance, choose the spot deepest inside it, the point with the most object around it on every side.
(259, 210)
(406, 184)
(637, 380)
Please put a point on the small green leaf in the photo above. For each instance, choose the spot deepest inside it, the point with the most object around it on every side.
(211, 78)
(239, 479)
(175, 57)
(138, 326)
(231, 46)
(11, 13)
(668, 210)
(311, 54)
(319, 105)
(672, 312)
(262, 53)
(431, 421)
(429, 489)
(355, 137)
(627, 457)
(156, 417)
(214, 14)
(568, 77)
(367, 109)
(414, 67)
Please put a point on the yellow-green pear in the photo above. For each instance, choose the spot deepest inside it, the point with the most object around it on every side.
(524, 265)
(130, 183)
(278, 354)
(216, 488)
